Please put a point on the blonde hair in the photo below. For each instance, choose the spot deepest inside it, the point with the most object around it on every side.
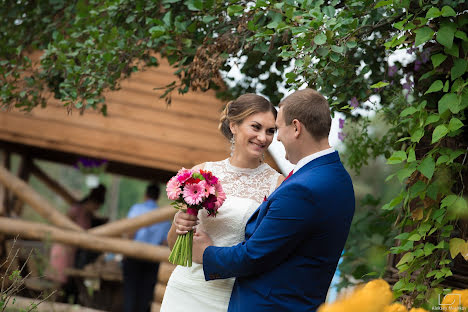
(242, 107)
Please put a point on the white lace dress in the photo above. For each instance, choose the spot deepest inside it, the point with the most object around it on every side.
(245, 188)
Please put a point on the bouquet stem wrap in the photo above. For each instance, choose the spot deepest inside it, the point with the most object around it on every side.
(194, 189)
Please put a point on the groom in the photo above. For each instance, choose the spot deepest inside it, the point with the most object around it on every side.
(294, 240)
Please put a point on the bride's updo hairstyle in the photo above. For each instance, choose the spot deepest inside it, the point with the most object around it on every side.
(242, 107)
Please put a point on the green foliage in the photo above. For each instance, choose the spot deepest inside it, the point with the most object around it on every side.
(338, 47)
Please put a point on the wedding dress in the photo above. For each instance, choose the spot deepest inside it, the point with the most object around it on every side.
(245, 190)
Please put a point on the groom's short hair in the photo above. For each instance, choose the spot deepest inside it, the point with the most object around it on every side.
(311, 109)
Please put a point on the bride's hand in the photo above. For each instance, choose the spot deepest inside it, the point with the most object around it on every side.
(184, 222)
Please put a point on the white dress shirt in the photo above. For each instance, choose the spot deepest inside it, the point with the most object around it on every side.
(304, 161)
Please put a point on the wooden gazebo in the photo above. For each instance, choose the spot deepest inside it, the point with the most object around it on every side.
(141, 137)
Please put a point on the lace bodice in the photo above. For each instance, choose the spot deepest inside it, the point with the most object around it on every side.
(245, 190)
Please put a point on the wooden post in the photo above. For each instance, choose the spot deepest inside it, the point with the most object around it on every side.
(24, 173)
(39, 231)
(53, 185)
(114, 198)
(122, 226)
(33, 199)
(5, 203)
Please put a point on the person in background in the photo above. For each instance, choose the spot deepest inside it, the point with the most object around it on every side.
(64, 256)
(140, 276)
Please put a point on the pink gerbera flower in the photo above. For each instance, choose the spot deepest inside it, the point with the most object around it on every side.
(173, 189)
(209, 189)
(220, 195)
(184, 174)
(194, 193)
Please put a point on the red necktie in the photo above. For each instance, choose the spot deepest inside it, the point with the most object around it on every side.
(289, 175)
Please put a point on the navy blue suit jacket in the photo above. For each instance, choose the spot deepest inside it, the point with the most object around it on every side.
(293, 242)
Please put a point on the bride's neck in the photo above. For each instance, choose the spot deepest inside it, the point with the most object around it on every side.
(243, 162)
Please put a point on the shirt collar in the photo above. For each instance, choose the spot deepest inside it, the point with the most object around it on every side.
(304, 161)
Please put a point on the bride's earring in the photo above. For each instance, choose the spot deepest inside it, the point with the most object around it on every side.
(263, 157)
(233, 141)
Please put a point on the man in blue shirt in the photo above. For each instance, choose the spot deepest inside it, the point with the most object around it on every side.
(140, 276)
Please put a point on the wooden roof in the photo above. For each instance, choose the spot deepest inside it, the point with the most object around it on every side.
(141, 136)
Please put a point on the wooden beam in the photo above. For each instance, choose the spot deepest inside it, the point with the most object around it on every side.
(33, 199)
(46, 306)
(39, 231)
(128, 167)
(53, 185)
(122, 226)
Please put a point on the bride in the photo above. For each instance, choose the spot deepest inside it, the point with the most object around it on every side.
(249, 124)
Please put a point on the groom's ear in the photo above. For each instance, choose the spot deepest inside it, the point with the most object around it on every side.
(298, 128)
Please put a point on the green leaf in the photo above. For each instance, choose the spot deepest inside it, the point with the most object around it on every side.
(448, 100)
(446, 86)
(400, 24)
(461, 35)
(394, 202)
(439, 132)
(453, 50)
(194, 5)
(408, 111)
(329, 11)
(157, 31)
(320, 39)
(234, 9)
(417, 135)
(433, 12)
(437, 59)
(397, 157)
(383, 3)
(448, 11)
(427, 167)
(408, 257)
(404, 173)
(458, 69)
(435, 86)
(448, 201)
(411, 155)
(337, 49)
(423, 34)
(431, 119)
(428, 249)
(442, 160)
(379, 84)
(351, 44)
(455, 124)
(415, 237)
(445, 35)
(403, 235)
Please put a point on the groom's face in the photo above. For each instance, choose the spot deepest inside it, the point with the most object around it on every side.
(285, 135)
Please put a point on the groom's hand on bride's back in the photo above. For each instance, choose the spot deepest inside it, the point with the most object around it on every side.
(201, 240)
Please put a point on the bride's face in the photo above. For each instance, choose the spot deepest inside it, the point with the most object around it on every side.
(254, 134)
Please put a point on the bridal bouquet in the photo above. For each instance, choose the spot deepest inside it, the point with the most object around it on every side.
(195, 190)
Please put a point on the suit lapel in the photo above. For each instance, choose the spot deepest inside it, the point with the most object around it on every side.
(326, 159)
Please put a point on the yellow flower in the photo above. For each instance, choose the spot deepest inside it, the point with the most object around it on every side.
(417, 310)
(453, 300)
(395, 307)
(373, 297)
